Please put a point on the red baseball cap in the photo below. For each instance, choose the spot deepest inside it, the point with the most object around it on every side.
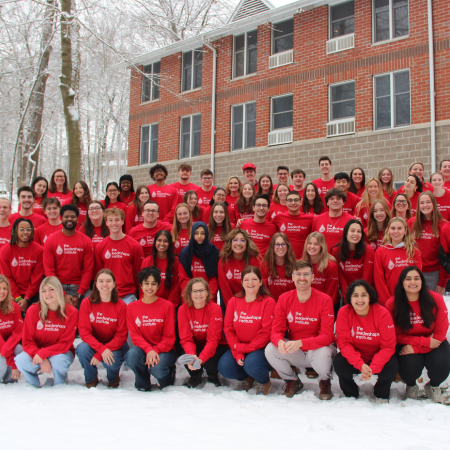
(249, 166)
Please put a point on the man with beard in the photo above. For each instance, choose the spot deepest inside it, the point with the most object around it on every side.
(69, 256)
(26, 201)
(162, 193)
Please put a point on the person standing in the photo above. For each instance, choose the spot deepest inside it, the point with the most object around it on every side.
(219, 224)
(342, 182)
(357, 182)
(298, 177)
(5, 224)
(162, 193)
(326, 181)
(52, 209)
(379, 217)
(95, 226)
(81, 197)
(183, 184)
(126, 188)
(441, 195)
(26, 201)
(249, 171)
(40, 188)
(113, 198)
(283, 176)
(59, 187)
(206, 190)
(134, 215)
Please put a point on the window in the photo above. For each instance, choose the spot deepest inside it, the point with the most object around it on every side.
(190, 136)
(392, 100)
(390, 19)
(282, 112)
(245, 53)
(342, 18)
(149, 144)
(283, 36)
(192, 69)
(150, 83)
(342, 101)
(244, 126)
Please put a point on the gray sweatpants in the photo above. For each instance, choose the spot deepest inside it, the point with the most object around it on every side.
(320, 360)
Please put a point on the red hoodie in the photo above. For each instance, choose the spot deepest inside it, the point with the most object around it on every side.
(323, 187)
(37, 219)
(5, 235)
(327, 281)
(146, 236)
(261, 233)
(279, 285)
(167, 199)
(366, 340)
(182, 241)
(42, 232)
(11, 327)
(133, 218)
(444, 205)
(247, 325)
(331, 228)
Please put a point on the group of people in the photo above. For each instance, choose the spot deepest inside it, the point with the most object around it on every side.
(251, 281)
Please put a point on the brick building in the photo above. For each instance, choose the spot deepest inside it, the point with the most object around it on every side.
(291, 83)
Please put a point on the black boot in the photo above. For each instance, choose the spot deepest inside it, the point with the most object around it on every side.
(194, 380)
(214, 379)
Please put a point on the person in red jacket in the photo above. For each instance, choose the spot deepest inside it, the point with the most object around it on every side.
(326, 182)
(134, 214)
(421, 324)
(191, 199)
(426, 229)
(441, 194)
(162, 193)
(220, 196)
(277, 266)
(366, 340)
(26, 199)
(151, 322)
(219, 224)
(200, 325)
(52, 209)
(59, 187)
(279, 205)
(81, 197)
(11, 326)
(238, 252)
(48, 335)
(306, 315)
(182, 227)
(21, 262)
(5, 224)
(373, 192)
(112, 197)
(102, 325)
(95, 225)
(248, 321)
(379, 217)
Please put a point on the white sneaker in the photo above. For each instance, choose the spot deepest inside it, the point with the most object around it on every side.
(412, 392)
(434, 393)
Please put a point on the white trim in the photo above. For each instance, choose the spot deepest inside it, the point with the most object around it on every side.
(391, 24)
(149, 125)
(244, 134)
(191, 135)
(330, 102)
(193, 73)
(271, 110)
(245, 34)
(330, 21)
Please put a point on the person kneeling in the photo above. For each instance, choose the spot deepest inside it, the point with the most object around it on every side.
(151, 322)
(103, 328)
(366, 338)
(200, 324)
(307, 315)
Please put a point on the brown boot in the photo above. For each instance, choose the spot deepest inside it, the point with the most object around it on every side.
(248, 383)
(292, 387)
(92, 383)
(114, 384)
(311, 373)
(398, 379)
(274, 374)
(262, 389)
(325, 389)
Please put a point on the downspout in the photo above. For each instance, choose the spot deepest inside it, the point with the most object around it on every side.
(432, 93)
(213, 103)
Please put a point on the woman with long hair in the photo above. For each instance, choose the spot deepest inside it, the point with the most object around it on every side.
(412, 188)
(182, 227)
(398, 250)
(191, 199)
(10, 333)
(277, 265)
(354, 256)
(164, 258)
(95, 226)
(401, 207)
(417, 169)
(426, 229)
(59, 187)
(48, 335)
(219, 196)
(357, 182)
(326, 278)
(200, 325)
(245, 361)
(312, 203)
(441, 195)
(265, 185)
(421, 324)
(81, 197)
(232, 189)
(373, 192)
(379, 217)
(219, 224)
(112, 197)
(278, 204)
(363, 316)
(238, 252)
(102, 325)
(245, 202)
(134, 214)
(40, 188)
(387, 181)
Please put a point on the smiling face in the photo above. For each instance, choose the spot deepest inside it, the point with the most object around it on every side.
(373, 189)
(357, 176)
(342, 184)
(280, 247)
(397, 232)
(220, 196)
(24, 231)
(49, 295)
(192, 200)
(4, 291)
(283, 175)
(26, 200)
(412, 284)
(112, 192)
(354, 233)
(144, 195)
(40, 187)
(95, 211)
(233, 186)
(325, 167)
(199, 295)
(105, 284)
(310, 193)
(114, 223)
(150, 213)
(293, 202)
(417, 169)
(426, 206)
(78, 191)
(282, 192)
(5, 209)
(264, 182)
(386, 177)
(162, 244)
(69, 220)
(379, 214)
(401, 203)
(59, 178)
(219, 214)
(298, 179)
(183, 215)
(207, 181)
(247, 191)
(445, 169)
(238, 244)
(261, 208)
(313, 247)
(251, 284)
(199, 235)
(159, 175)
(437, 181)
(303, 279)
(250, 175)
(360, 300)
(125, 186)
(335, 203)
(149, 287)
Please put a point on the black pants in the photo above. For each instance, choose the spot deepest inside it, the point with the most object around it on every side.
(437, 363)
(211, 365)
(345, 372)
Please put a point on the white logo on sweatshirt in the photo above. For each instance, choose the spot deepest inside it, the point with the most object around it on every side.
(200, 201)
(269, 280)
(177, 244)
(142, 241)
(365, 216)
(319, 190)
(154, 194)
(283, 227)
(59, 250)
(40, 325)
(107, 254)
(352, 332)
(45, 239)
(190, 323)
(391, 265)
(322, 229)
(342, 265)
(290, 317)
(235, 317)
(138, 322)
(229, 275)
(91, 317)
(136, 218)
(14, 262)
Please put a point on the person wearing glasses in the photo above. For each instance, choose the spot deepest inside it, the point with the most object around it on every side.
(260, 229)
(401, 207)
(206, 191)
(95, 226)
(283, 177)
(219, 196)
(302, 333)
(200, 325)
(59, 187)
(113, 198)
(162, 193)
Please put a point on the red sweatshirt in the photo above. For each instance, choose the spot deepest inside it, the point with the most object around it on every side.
(202, 327)
(70, 259)
(261, 233)
(152, 326)
(419, 336)
(37, 219)
(11, 327)
(247, 325)
(323, 187)
(124, 258)
(366, 340)
(182, 241)
(37, 206)
(275, 209)
(128, 199)
(389, 263)
(446, 185)
(132, 218)
(63, 198)
(42, 232)
(425, 187)
(119, 205)
(5, 235)
(204, 197)
(146, 236)
(445, 238)
(328, 281)
(232, 201)
(350, 204)
(82, 208)
(198, 270)
(97, 238)
(331, 228)
(378, 242)
(173, 294)
(297, 228)
(53, 337)
(182, 189)
(311, 321)
(279, 285)
(247, 214)
(444, 205)
(360, 191)
(363, 213)
(103, 325)
(232, 212)
(23, 267)
(390, 198)
(230, 276)
(429, 249)
(216, 239)
(167, 199)
(353, 269)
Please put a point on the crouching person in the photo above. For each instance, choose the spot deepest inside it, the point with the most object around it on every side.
(307, 316)
(48, 335)
(366, 338)
(102, 325)
(151, 322)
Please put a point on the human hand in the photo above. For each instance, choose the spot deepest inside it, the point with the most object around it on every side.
(108, 357)
(152, 358)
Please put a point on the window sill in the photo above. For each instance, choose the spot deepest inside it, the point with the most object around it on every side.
(242, 149)
(148, 102)
(191, 90)
(391, 128)
(243, 77)
(388, 41)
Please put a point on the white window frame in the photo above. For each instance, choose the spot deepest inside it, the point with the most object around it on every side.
(193, 73)
(391, 24)
(392, 96)
(150, 140)
(330, 28)
(271, 111)
(272, 38)
(244, 128)
(191, 135)
(330, 119)
(154, 81)
(246, 73)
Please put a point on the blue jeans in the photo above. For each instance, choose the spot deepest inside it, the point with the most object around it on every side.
(164, 371)
(255, 365)
(60, 366)
(5, 370)
(85, 353)
(129, 298)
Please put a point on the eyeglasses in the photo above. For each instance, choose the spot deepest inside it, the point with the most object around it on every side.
(199, 292)
(23, 230)
(206, 178)
(302, 275)
(111, 191)
(98, 208)
(260, 205)
(151, 211)
(293, 200)
(401, 202)
(283, 245)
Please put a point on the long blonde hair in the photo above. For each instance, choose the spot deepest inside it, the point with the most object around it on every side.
(365, 200)
(410, 244)
(324, 256)
(436, 217)
(6, 306)
(56, 285)
(176, 227)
